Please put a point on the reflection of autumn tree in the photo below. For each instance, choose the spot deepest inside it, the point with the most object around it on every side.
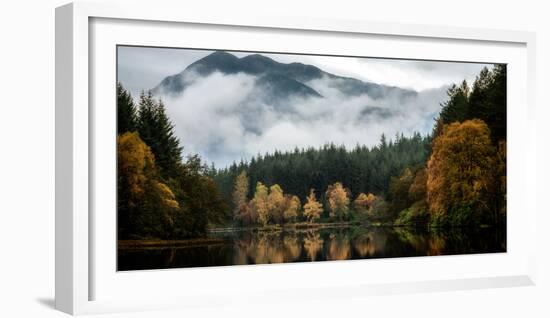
(436, 245)
(243, 248)
(417, 241)
(338, 247)
(313, 243)
(368, 244)
(293, 248)
(364, 245)
(268, 248)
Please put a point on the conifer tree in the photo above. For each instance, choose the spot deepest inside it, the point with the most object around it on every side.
(126, 111)
(456, 108)
(158, 132)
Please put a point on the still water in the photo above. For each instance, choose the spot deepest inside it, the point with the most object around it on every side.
(261, 247)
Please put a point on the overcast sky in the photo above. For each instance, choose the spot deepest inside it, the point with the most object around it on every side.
(142, 68)
(216, 126)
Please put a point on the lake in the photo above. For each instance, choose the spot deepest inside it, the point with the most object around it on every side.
(325, 244)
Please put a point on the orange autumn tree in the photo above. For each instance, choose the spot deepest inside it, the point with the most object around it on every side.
(292, 208)
(312, 208)
(338, 200)
(147, 207)
(361, 203)
(459, 174)
(276, 203)
(260, 204)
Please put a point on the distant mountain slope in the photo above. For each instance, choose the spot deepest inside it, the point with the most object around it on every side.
(282, 80)
(225, 107)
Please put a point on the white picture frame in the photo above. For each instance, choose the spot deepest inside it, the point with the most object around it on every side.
(78, 146)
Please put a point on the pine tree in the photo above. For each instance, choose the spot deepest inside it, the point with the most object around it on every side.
(126, 111)
(156, 129)
(456, 108)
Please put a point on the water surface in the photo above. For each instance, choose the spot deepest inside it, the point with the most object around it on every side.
(284, 246)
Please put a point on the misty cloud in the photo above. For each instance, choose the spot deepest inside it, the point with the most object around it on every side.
(224, 117)
(229, 117)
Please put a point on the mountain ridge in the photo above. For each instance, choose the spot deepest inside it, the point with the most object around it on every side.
(294, 77)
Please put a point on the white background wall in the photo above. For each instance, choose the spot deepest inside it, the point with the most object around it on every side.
(27, 158)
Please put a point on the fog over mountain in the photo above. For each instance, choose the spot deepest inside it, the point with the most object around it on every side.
(227, 108)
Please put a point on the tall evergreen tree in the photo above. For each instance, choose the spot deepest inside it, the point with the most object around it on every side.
(126, 111)
(456, 107)
(486, 101)
(496, 119)
(156, 129)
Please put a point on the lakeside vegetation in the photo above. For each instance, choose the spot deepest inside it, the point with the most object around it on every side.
(455, 177)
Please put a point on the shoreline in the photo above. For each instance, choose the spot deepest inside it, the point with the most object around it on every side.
(208, 241)
(156, 243)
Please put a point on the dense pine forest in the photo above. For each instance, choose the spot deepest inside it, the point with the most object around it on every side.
(454, 177)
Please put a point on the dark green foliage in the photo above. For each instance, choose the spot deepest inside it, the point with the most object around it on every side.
(456, 108)
(199, 197)
(398, 193)
(486, 101)
(360, 169)
(416, 215)
(126, 111)
(199, 202)
(492, 101)
(157, 131)
(461, 216)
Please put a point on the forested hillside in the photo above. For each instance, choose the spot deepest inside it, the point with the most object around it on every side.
(361, 169)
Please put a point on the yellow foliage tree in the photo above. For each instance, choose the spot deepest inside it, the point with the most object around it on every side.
(459, 170)
(361, 203)
(276, 202)
(292, 208)
(240, 192)
(260, 204)
(338, 200)
(312, 208)
(146, 205)
(136, 165)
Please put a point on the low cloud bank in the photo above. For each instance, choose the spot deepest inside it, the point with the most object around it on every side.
(226, 118)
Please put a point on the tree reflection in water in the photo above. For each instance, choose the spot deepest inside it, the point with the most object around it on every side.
(313, 243)
(283, 246)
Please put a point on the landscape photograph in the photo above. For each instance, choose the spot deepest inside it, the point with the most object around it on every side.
(239, 158)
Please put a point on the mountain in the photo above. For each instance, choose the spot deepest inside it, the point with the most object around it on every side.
(279, 80)
(225, 107)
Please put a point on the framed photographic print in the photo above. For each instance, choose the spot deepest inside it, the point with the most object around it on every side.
(210, 158)
(262, 158)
